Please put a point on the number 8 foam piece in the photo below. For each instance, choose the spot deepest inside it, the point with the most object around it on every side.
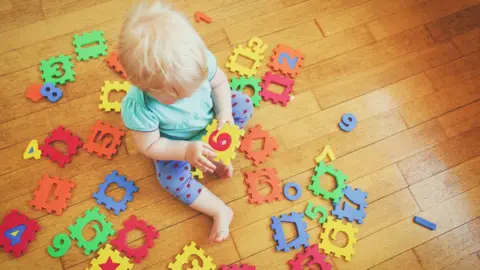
(348, 123)
(52, 93)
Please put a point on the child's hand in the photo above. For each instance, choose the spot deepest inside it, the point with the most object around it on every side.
(199, 154)
(223, 119)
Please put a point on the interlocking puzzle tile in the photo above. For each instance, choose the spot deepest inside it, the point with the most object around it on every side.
(318, 190)
(296, 195)
(105, 104)
(327, 152)
(57, 70)
(101, 234)
(61, 134)
(61, 243)
(283, 98)
(33, 92)
(16, 231)
(113, 61)
(32, 151)
(314, 258)
(200, 16)
(104, 140)
(286, 60)
(51, 92)
(356, 196)
(111, 204)
(97, 44)
(141, 252)
(198, 253)
(254, 52)
(348, 122)
(62, 191)
(238, 267)
(224, 141)
(279, 235)
(311, 212)
(269, 145)
(263, 176)
(330, 230)
(109, 259)
(239, 84)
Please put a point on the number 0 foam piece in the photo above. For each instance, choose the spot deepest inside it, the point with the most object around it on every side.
(269, 145)
(32, 151)
(188, 251)
(279, 235)
(62, 191)
(425, 223)
(108, 259)
(358, 197)
(16, 231)
(340, 179)
(61, 134)
(110, 203)
(239, 84)
(330, 229)
(263, 176)
(296, 187)
(313, 256)
(286, 60)
(224, 141)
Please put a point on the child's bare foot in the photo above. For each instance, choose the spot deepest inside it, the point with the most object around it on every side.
(221, 225)
(223, 171)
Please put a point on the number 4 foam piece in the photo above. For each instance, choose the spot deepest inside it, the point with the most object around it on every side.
(310, 257)
(61, 134)
(266, 176)
(32, 151)
(188, 251)
(286, 60)
(16, 231)
(62, 189)
(279, 235)
(330, 230)
(425, 223)
(110, 259)
(269, 145)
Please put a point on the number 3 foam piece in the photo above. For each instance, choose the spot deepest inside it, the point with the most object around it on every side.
(191, 251)
(286, 60)
(105, 103)
(330, 230)
(61, 134)
(16, 231)
(279, 235)
(283, 98)
(52, 93)
(265, 176)
(109, 259)
(254, 52)
(425, 223)
(51, 70)
(348, 122)
(224, 141)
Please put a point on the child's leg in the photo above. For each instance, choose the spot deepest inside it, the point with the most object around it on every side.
(176, 178)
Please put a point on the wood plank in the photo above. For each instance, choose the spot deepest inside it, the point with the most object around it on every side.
(450, 247)
(455, 24)
(468, 42)
(406, 260)
(21, 15)
(461, 120)
(37, 259)
(52, 8)
(447, 184)
(379, 76)
(468, 263)
(441, 157)
(5, 5)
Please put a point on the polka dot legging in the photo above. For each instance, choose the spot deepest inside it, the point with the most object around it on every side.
(175, 175)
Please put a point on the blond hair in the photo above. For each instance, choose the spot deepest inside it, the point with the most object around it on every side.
(159, 47)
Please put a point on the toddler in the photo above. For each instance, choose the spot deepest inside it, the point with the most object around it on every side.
(177, 90)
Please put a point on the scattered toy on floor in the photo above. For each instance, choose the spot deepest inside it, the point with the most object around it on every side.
(269, 145)
(239, 84)
(286, 61)
(200, 16)
(254, 51)
(110, 203)
(113, 62)
(105, 103)
(224, 141)
(51, 92)
(266, 176)
(296, 187)
(283, 98)
(310, 257)
(104, 140)
(330, 230)
(356, 196)
(90, 45)
(425, 223)
(327, 152)
(109, 258)
(61, 134)
(348, 122)
(62, 189)
(336, 194)
(279, 235)
(33, 92)
(311, 212)
(51, 70)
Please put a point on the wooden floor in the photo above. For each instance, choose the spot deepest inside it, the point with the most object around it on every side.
(408, 69)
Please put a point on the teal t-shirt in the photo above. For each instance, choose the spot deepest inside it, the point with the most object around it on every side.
(183, 120)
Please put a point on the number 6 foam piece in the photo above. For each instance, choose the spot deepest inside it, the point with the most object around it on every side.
(286, 60)
(224, 141)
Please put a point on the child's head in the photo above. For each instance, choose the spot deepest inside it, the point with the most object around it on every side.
(161, 52)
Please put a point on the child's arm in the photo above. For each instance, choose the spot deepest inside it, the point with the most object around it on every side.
(197, 153)
(222, 96)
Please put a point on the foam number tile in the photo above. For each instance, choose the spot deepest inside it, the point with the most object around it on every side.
(330, 230)
(101, 233)
(263, 176)
(311, 257)
(336, 194)
(110, 203)
(90, 45)
(239, 84)
(327, 152)
(52, 93)
(32, 151)
(356, 196)
(279, 234)
(105, 103)
(113, 61)
(61, 244)
(197, 253)
(62, 189)
(16, 232)
(348, 122)
(104, 140)
(286, 60)
(269, 145)
(224, 141)
(57, 70)
(312, 212)
(254, 52)
(61, 134)
(273, 97)
(108, 259)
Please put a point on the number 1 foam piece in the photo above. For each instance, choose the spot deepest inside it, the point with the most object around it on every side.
(94, 38)
(224, 141)
(327, 152)
(286, 60)
(358, 197)
(62, 243)
(283, 98)
(188, 251)
(105, 103)
(109, 259)
(51, 69)
(269, 145)
(313, 256)
(239, 84)
(101, 234)
(317, 188)
(263, 176)
(16, 231)
(330, 229)
(62, 189)
(425, 223)
(32, 151)
(279, 235)
(254, 52)
(197, 173)
(112, 204)
(63, 135)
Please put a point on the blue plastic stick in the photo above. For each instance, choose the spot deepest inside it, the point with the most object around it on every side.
(425, 223)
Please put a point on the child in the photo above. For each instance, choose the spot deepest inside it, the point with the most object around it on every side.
(178, 90)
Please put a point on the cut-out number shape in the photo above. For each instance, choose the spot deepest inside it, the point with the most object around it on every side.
(348, 123)
(327, 152)
(61, 243)
(52, 93)
(15, 234)
(312, 212)
(292, 62)
(221, 142)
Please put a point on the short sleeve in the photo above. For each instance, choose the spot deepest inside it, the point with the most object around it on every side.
(211, 65)
(136, 115)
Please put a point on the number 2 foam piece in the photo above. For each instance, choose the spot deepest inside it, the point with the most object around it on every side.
(286, 60)
(348, 122)
(224, 141)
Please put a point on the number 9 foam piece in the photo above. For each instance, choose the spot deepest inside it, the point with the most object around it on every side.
(224, 141)
(52, 93)
(52, 70)
(254, 52)
(348, 123)
(62, 243)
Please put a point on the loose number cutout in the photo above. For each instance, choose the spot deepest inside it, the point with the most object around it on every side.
(348, 123)
(292, 62)
(327, 152)
(222, 142)
(312, 212)
(62, 243)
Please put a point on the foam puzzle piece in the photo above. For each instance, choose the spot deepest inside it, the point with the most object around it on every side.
(283, 98)
(52, 73)
(286, 60)
(312, 212)
(425, 223)
(265, 175)
(104, 140)
(109, 259)
(16, 231)
(113, 61)
(32, 151)
(108, 87)
(101, 235)
(348, 122)
(269, 145)
(286, 191)
(33, 92)
(200, 16)
(239, 84)
(109, 202)
(314, 258)
(188, 251)
(327, 152)
(279, 235)
(62, 191)
(61, 243)
(224, 141)
(254, 52)
(88, 38)
(141, 252)
(51, 92)
(330, 229)
(238, 267)
(336, 194)
(61, 134)
(197, 173)
(358, 197)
